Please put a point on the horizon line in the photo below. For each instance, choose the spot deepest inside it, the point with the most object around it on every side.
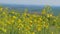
(28, 4)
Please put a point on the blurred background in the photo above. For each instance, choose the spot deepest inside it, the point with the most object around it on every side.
(31, 5)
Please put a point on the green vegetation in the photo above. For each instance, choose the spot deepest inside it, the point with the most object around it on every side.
(12, 22)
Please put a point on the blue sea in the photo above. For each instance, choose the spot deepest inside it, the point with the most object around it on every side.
(31, 8)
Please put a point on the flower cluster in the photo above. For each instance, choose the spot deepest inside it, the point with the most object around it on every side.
(12, 22)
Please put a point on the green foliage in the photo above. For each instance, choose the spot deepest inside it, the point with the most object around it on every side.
(26, 23)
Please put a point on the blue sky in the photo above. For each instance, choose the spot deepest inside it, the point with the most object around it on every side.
(32, 2)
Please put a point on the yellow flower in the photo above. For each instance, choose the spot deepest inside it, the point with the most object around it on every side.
(27, 28)
(8, 22)
(40, 19)
(33, 15)
(35, 20)
(43, 11)
(4, 13)
(55, 20)
(4, 29)
(39, 27)
(49, 15)
(28, 14)
(30, 17)
(21, 25)
(52, 32)
(46, 25)
(58, 26)
(1, 9)
(13, 12)
(18, 26)
(30, 24)
(19, 20)
(14, 17)
(12, 21)
(33, 32)
(24, 14)
(30, 21)
(28, 32)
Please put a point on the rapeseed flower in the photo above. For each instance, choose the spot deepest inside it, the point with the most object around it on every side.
(14, 17)
(52, 32)
(43, 11)
(19, 20)
(27, 23)
(33, 33)
(1, 9)
(4, 30)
